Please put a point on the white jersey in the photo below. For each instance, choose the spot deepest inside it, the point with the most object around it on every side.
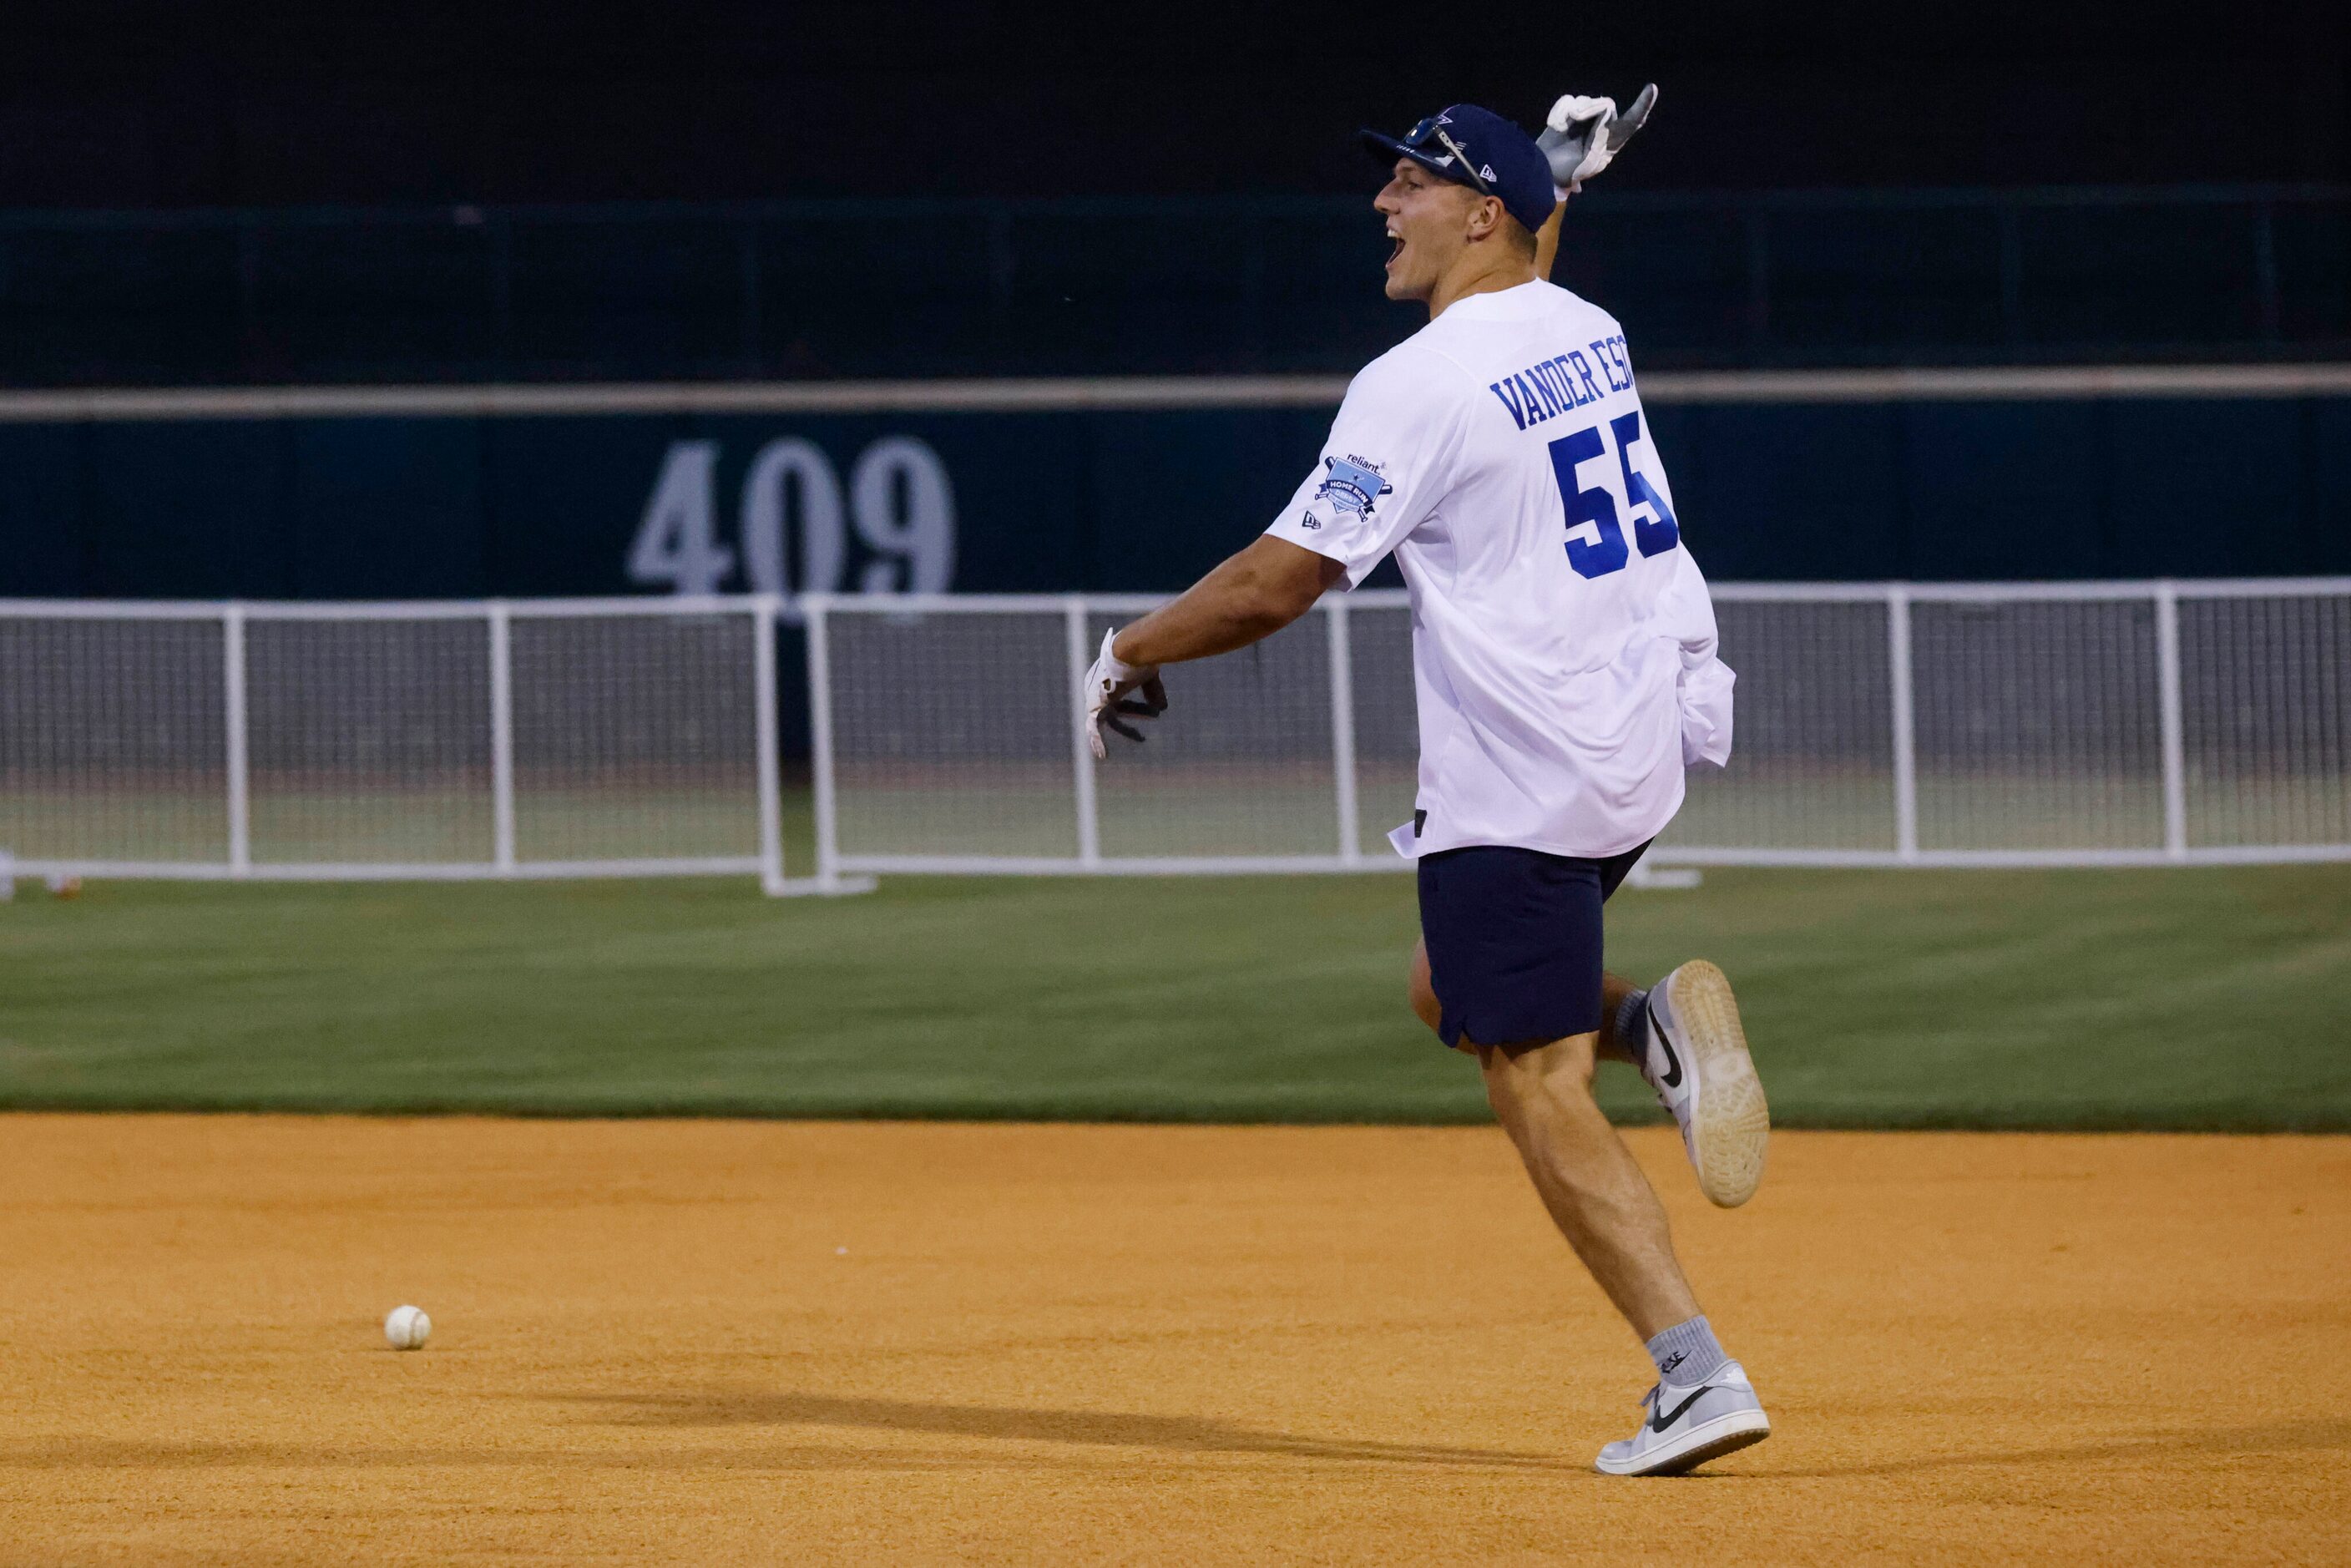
(1563, 645)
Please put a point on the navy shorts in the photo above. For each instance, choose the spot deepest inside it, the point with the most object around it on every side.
(1513, 939)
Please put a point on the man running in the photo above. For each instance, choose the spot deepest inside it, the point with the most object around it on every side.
(1564, 651)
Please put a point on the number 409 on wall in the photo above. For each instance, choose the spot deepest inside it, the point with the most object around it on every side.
(898, 501)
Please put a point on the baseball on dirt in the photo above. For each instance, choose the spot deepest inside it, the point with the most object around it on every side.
(407, 1328)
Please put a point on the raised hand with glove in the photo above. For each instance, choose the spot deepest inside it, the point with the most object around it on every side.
(1581, 134)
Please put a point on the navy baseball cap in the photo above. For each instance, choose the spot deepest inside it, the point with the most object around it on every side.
(1480, 149)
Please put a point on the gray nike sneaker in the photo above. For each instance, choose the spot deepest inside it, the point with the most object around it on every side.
(1688, 1425)
(1695, 1056)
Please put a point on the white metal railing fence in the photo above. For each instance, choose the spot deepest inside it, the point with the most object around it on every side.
(1878, 725)
(426, 740)
(2076, 723)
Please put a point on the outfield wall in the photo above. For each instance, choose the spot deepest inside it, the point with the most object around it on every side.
(1025, 486)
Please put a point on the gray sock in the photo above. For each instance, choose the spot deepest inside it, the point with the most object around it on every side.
(1687, 1353)
(1632, 1023)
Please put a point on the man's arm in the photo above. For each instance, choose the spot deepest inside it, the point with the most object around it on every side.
(1580, 137)
(1253, 595)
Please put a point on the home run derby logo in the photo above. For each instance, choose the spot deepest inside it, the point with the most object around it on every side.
(1352, 484)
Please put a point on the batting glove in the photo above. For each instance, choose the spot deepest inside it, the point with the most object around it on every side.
(1582, 134)
(1107, 684)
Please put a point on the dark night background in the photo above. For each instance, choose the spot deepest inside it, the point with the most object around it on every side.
(176, 103)
(208, 194)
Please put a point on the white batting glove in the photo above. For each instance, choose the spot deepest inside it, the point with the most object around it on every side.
(1581, 134)
(1107, 684)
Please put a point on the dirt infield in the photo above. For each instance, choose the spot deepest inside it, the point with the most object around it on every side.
(730, 1341)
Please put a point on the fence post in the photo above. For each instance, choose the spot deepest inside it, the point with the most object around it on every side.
(763, 739)
(1082, 756)
(2175, 750)
(1905, 740)
(240, 782)
(1342, 728)
(501, 782)
(816, 611)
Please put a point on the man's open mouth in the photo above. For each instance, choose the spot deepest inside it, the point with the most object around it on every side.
(1397, 250)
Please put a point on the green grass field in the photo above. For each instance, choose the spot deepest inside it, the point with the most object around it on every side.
(2194, 999)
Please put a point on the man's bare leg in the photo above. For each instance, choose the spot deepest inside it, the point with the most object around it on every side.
(1419, 993)
(1602, 1203)
(1588, 1179)
(1703, 1406)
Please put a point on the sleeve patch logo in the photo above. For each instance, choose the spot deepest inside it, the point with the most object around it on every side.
(1352, 484)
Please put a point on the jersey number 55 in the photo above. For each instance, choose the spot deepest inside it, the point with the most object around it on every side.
(1602, 550)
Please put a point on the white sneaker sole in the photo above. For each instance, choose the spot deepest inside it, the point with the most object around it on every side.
(1707, 1440)
(1730, 1124)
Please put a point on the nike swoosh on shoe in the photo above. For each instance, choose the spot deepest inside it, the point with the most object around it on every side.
(1660, 1417)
